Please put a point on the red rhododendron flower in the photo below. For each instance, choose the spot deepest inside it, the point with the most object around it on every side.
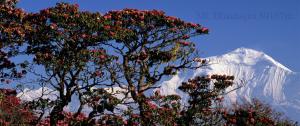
(107, 17)
(184, 43)
(76, 5)
(53, 26)
(185, 37)
(111, 33)
(107, 27)
(204, 30)
(102, 57)
(83, 35)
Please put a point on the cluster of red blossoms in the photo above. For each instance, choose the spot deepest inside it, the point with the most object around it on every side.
(69, 119)
(144, 21)
(12, 112)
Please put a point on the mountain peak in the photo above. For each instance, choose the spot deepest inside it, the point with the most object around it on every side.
(243, 50)
(249, 56)
(257, 75)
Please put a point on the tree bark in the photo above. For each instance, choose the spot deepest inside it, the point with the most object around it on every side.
(56, 114)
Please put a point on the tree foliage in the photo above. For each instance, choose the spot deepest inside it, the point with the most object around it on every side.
(72, 47)
(205, 102)
(255, 113)
(13, 30)
(12, 112)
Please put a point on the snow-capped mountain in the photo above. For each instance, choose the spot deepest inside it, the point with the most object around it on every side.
(260, 76)
(43, 92)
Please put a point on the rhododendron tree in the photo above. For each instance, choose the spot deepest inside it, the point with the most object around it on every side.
(62, 42)
(205, 98)
(149, 45)
(135, 49)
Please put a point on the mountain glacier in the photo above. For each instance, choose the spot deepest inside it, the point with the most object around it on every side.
(259, 76)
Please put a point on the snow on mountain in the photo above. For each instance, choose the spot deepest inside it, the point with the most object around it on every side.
(48, 93)
(44, 93)
(260, 76)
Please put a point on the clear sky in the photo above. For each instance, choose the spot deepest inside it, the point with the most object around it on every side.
(271, 26)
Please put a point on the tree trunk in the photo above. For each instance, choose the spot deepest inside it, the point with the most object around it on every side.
(144, 121)
(56, 114)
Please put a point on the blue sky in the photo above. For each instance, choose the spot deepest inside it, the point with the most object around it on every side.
(271, 26)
